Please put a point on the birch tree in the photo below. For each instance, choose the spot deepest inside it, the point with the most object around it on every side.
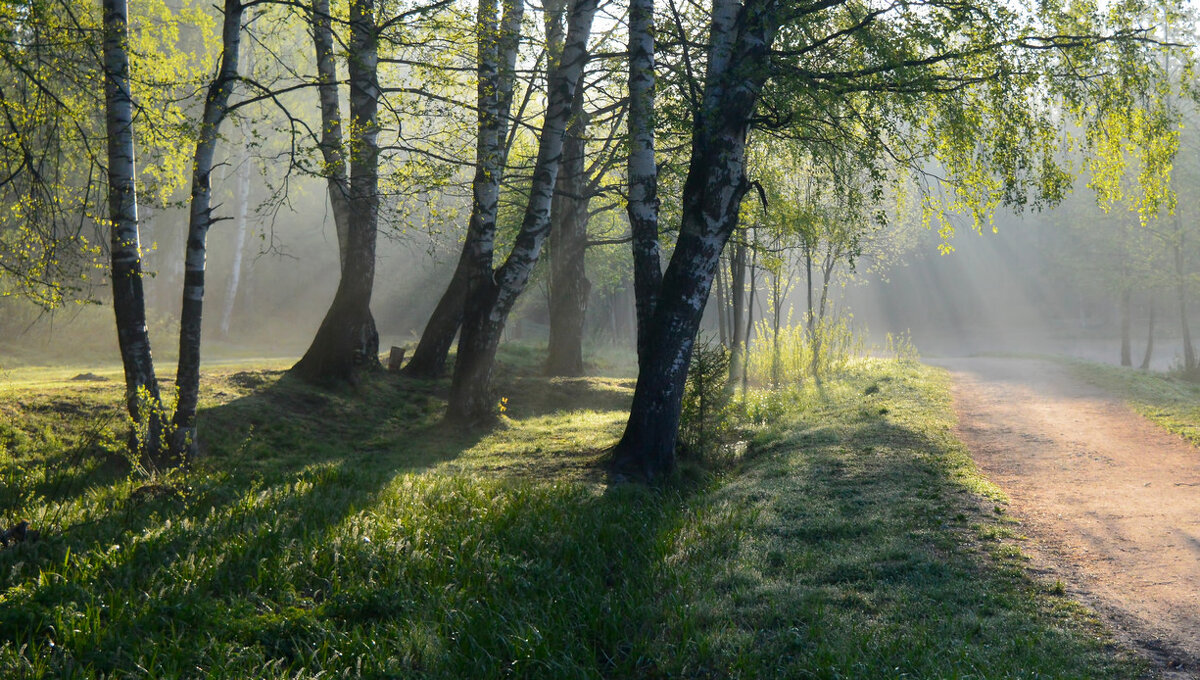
(494, 291)
(740, 37)
(642, 171)
(347, 339)
(75, 85)
(184, 441)
(129, 301)
(919, 83)
(498, 41)
(331, 142)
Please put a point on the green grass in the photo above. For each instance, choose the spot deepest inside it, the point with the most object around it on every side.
(350, 534)
(1166, 399)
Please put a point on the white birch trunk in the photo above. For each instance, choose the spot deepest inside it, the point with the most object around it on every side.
(738, 61)
(492, 300)
(332, 151)
(496, 64)
(347, 339)
(141, 385)
(641, 168)
(184, 443)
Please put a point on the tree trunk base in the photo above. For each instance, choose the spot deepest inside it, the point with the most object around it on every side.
(339, 353)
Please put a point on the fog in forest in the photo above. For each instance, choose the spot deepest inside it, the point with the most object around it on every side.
(289, 272)
(1063, 280)
(1002, 291)
(1005, 292)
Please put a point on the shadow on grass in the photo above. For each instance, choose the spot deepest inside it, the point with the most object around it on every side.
(532, 397)
(284, 465)
(307, 537)
(237, 552)
(869, 554)
(307, 547)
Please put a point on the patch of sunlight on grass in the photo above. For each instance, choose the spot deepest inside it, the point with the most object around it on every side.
(1168, 400)
(564, 444)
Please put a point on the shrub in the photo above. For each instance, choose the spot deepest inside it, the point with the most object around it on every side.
(788, 358)
(900, 347)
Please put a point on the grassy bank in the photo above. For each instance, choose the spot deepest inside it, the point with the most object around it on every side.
(1166, 399)
(348, 534)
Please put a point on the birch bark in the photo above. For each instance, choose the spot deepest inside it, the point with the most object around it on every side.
(129, 302)
(642, 170)
(347, 340)
(184, 443)
(492, 296)
(497, 58)
(738, 61)
(332, 151)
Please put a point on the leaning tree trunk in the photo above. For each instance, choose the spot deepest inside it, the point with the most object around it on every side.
(492, 297)
(642, 170)
(569, 285)
(429, 358)
(347, 340)
(184, 443)
(497, 57)
(1149, 338)
(740, 41)
(129, 301)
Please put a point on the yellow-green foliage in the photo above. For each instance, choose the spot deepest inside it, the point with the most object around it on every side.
(787, 359)
(174, 48)
(53, 208)
(900, 346)
(1132, 163)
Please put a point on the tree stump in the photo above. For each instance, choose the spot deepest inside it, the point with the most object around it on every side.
(396, 358)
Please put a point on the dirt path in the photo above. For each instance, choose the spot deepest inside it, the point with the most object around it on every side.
(1110, 502)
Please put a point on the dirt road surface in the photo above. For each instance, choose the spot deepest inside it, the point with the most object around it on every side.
(1110, 502)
